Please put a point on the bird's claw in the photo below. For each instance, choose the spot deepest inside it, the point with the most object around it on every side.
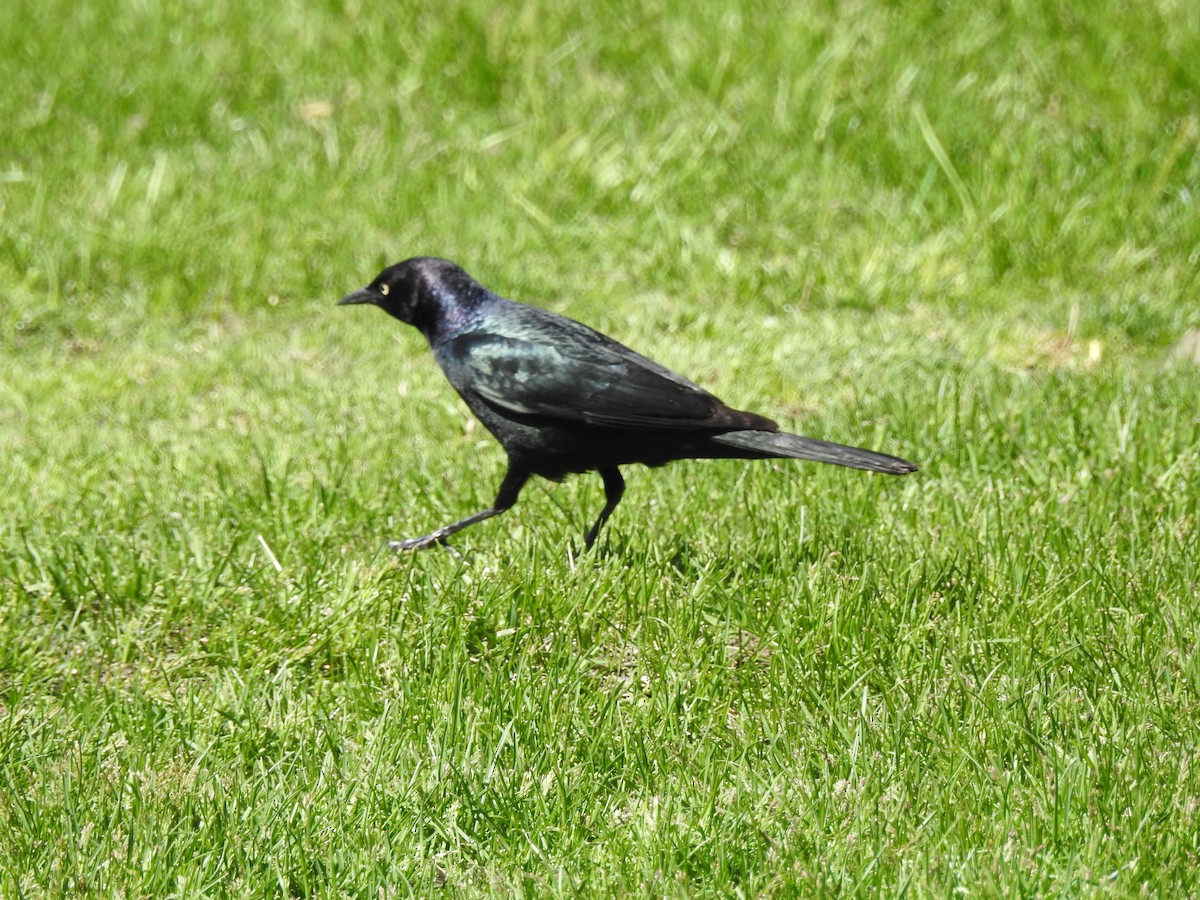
(420, 543)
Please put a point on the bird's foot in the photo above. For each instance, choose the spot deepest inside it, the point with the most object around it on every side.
(419, 543)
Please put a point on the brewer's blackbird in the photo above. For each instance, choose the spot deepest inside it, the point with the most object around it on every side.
(562, 398)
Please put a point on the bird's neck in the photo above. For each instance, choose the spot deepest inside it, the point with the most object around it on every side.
(446, 314)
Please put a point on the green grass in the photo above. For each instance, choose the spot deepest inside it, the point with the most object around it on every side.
(963, 233)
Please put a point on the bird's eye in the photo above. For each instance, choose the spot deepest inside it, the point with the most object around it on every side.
(383, 289)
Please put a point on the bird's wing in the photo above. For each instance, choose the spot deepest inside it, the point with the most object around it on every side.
(582, 376)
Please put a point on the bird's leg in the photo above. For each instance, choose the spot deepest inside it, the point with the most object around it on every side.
(614, 487)
(510, 488)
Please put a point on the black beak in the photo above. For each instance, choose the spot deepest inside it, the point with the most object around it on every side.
(362, 295)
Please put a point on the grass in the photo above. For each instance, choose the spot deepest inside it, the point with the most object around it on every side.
(965, 234)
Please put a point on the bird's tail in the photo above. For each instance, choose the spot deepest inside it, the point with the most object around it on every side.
(772, 444)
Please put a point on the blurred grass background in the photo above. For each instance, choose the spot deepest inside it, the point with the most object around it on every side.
(964, 234)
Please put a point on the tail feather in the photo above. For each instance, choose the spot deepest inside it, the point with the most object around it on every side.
(777, 444)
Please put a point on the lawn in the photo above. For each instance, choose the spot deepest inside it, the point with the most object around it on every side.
(965, 234)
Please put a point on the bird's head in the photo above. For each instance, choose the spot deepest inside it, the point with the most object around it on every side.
(400, 290)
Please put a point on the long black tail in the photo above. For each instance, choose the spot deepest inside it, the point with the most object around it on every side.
(770, 444)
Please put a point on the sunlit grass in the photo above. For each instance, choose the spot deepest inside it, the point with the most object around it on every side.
(967, 237)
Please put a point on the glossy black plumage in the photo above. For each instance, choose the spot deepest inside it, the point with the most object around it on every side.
(562, 398)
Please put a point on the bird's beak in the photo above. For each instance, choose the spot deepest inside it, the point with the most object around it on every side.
(362, 295)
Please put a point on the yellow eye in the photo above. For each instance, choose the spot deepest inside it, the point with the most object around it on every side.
(383, 289)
